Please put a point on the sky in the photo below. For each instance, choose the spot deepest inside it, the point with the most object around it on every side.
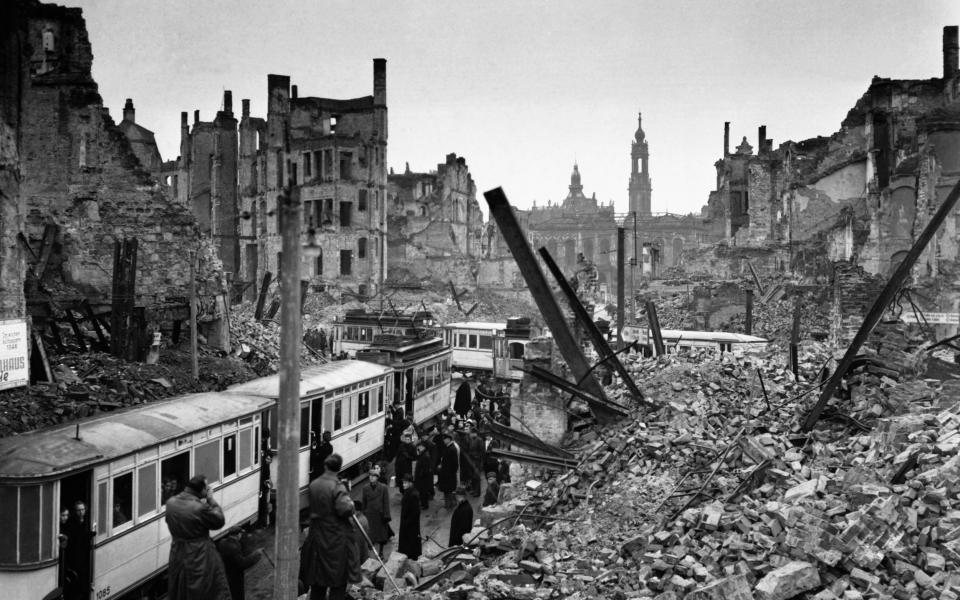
(522, 89)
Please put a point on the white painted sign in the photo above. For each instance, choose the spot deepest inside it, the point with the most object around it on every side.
(908, 316)
(14, 348)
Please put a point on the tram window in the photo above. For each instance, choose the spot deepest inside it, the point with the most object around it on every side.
(486, 342)
(363, 407)
(316, 412)
(328, 415)
(206, 461)
(229, 455)
(516, 350)
(8, 524)
(337, 414)
(122, 507)
(304, 425)
(473, 340)
(349, 417)
(46, 506)
(418, 374)
(174, 474)
(380, 399)
(102, 504)
(30, 523)
(461, 340)
(147, 489)
(245, 448)
(256, 445)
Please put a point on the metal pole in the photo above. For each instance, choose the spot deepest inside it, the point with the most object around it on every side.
(600, 344)
(881, 303)
(654, 321)
(633, 267)
(513, 235)
(288, 406)
(748, 326)
(373, 549)
(620, 290)
(193, 317)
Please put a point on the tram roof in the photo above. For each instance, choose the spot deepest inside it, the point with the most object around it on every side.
(711, 336)
(476, 325)
(316, 378)
(107, 436)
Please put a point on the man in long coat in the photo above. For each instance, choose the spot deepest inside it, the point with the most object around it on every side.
(375, 499)
(363, 548)
(235, 561)
(408, 538)
(403, 465)
(79, 535)
(449, 467)
(423, 475)
(461, 521)
(195, 569)
(329, 553)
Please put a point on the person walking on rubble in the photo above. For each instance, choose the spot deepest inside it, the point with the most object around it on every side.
(449, 468)
(461, 521)
(329, 555)
(408, 537)
(195, 569)
(375, 500)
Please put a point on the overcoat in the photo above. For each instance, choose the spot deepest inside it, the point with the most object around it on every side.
(423, 477)
(363, 549)
(235, 562)
(461, 522)
(406, 454)
(375, 503)
(408, 540)
(329, 553)
(195, 570)
(449, 466)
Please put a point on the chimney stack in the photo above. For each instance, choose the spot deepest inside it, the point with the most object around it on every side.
(293, 92)
(228, 102)
(951, 67)
(761, 138)
(245, 104)
(196, 117)
(379, 82)
(128, 112)
(726, 139)
(184, 120)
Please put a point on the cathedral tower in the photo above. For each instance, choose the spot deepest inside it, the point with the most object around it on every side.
(640, 176)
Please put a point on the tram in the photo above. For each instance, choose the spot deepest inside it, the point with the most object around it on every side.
(358, 328)
(119, 464)
(489, 347)
(675, 340)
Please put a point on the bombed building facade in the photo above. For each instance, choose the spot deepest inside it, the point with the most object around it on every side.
(434, 224)
(76, 182)
(861, 195)
(336, 152)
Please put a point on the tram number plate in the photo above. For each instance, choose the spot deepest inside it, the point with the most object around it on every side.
(104, 593)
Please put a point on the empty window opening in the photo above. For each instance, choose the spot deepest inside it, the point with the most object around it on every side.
(122, 499)
(174, 474)
(362, 248)
(229, 455)
(346, 214)
(346, 165)
(318, 263)
(346, 262)
(362, 200)
(307, 166)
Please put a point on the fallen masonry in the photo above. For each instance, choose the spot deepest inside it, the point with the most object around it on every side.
(718, 495)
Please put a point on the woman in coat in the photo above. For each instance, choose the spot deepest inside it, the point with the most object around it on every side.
(408, 540)
(461, 521)
(375, 499)
(423, 477)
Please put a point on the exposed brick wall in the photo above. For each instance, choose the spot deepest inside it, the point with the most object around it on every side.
(538, 406)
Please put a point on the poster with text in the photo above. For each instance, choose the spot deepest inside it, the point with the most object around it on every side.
(14, 365)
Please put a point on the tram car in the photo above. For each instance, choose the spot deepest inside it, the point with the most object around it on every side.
(358, 328)
(680, 340)
(345, 397)
(490, 347)
(124, 464)
(421, 372)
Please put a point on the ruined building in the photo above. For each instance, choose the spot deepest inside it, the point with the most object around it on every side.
(434, 224)
(81, 184)
(206, 179)
(142, 140)
(336, 150)
(861, 195)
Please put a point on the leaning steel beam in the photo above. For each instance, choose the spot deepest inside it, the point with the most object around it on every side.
(654, 321)
(608, 407)
(513, 234)
(581, 314)
(880, 305)
(518, 438)
(537, 459)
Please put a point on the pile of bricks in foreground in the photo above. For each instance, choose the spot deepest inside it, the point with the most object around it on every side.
(719, 495)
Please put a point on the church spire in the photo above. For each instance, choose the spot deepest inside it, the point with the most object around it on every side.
(576, 190)
(639, 136)
(640, 186)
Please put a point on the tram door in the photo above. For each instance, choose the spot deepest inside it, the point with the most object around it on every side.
(76, 534)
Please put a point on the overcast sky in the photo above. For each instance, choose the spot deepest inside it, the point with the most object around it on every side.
(522, 89)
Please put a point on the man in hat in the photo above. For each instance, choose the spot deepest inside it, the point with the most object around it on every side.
(403, 465)
(195, 568)
(449, 468)
(329, 554)
(492, 495)
(423, 474)
(461, 521)
(319, 453)
(375, 500)
(408, 538)
(235, 562)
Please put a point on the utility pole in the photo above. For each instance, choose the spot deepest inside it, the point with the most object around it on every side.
(288, 406)
(193, 317)
(620, 290)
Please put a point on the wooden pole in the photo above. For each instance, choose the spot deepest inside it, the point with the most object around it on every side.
(288, 407)
(194, 364)
(620, 290)
(748, 326)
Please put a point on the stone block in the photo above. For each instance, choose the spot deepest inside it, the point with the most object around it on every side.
(788, 581)
(736, 587)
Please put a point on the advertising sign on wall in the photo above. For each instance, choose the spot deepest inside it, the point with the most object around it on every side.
(14, 348)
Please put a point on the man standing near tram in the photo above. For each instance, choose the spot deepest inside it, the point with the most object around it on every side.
(195, 569)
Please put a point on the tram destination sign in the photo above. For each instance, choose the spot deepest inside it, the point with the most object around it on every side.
(14, 365)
